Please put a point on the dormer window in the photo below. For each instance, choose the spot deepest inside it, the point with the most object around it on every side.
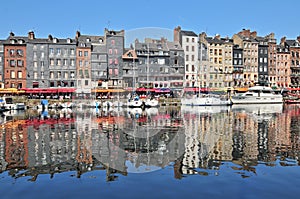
(88, 40)
(55, 40)
(68, 40)
(12, 41)
(20, 41)
(101, 40)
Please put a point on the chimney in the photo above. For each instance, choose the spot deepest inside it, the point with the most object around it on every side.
(77, 35)
(282, 41)
(253, 34)
(245, 33)
(176, 33)
(217, 36)
(31, 35)
(50, 38)
(11, 34)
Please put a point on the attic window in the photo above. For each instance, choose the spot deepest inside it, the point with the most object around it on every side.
(101, 40)
(20, 41)
(68, 40)
(88, 39)
(176, 46)
(55, 40)
(12, 41)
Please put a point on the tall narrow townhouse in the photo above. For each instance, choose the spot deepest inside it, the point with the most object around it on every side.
(83, 65)
(238, 66)
(294, 46)
(37, 62)
(14, 66)
(99, 73)
(114, 50)
(247, 42)
(189, 41)
(219, 51)
(272, 58)
(62, 62)
(283, 65)
(1, 63)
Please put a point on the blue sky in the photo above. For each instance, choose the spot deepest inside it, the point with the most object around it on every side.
(61, 18)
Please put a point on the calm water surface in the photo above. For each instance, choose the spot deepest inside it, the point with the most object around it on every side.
(192, 152)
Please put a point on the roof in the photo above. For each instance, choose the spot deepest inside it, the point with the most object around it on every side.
(188, 33)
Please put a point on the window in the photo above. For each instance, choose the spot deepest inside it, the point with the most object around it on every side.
(193, 48)
(86, 73)
(42, 54)
(12, 74)
(35, 75)
(193, 39)
(66, 75)
(110, 51)
(86, 53)
(11, 52)
(58, 50)
(59, 74)
(86, 63)
(116, 71)
(72, 51)
(116, 51)
(20, 63)
(51, 50)
(187, 48)
(12, 63)
(65, 62)
(187, 58)
(51, 75)
(34, 54)
(86, 82)
(112, 42)
(20, 74)
(35, 65)
(20, 52)
(110, 61)
(58, 62)
(80, 73)
(193, 57)
(51, 62)
(80, 53)
(187, 39)
(80, 63)
(72, 62)
(193, 68)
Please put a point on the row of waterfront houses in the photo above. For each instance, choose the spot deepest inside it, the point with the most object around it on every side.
(86, 62)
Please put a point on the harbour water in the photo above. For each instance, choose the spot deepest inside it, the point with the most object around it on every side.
(244, 151)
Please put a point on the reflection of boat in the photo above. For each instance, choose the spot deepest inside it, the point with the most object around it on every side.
(258, 108)
(208, 100)
(151, 111)
(257, 95)
(135, 111)
(7, 104)
(204, 109)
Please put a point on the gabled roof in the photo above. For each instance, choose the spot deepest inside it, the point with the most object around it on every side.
(130, 54)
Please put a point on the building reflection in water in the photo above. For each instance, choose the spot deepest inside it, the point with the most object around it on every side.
(194, 140)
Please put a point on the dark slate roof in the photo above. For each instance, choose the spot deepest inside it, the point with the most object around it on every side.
(174, 45)
(218, 41)
(189, 33)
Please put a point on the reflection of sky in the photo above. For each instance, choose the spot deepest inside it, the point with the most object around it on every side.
(150, 32)
(131, 167)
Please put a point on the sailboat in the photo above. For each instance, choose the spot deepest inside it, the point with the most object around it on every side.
(149, 101)
(205, 99)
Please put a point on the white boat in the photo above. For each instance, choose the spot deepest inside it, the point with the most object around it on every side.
(206, 100)
(258, 95)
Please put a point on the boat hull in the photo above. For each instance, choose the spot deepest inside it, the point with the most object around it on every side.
(206, 101)
(257, 100)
